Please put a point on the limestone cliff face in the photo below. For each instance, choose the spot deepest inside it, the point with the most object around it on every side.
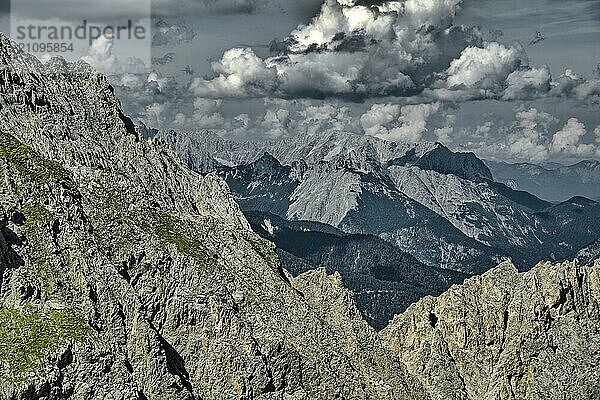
(124, 275)
(505, 335)
(588, 254)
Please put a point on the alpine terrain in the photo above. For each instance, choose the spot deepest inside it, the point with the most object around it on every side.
(552, 182)
(433, 209)
(126, 275)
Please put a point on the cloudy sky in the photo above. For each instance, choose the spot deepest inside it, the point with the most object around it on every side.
(513, 80)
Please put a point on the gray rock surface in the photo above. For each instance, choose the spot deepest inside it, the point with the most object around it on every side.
(588, 254)
(507, 335)
(343, 180)
(127, 276)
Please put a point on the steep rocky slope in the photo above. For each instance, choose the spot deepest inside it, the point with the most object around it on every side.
(589, 253)
(517, 223)
(127, 276)
(390, 249)
(505, 335)
(440, 207)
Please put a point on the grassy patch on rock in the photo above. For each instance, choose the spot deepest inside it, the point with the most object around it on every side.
(30, 164)
(36, 231)
(172, 230)
(28, 337)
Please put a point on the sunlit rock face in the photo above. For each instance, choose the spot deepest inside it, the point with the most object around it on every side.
(137, 278)
(507, 335)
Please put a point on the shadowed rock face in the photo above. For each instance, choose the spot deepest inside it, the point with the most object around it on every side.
(136, 278)
(505, 335)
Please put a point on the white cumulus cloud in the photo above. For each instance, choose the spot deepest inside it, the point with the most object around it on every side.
(568, 140)
(483, 67)
(394, 48)
(241, 74)
(101, 57)
(527, 84)
(395, 123)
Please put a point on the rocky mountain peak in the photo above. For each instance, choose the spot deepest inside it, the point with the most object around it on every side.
(69, 105)
(122, 271)
(267, 163)
(464, 165)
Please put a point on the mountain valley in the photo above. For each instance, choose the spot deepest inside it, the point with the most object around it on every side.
(441, 209)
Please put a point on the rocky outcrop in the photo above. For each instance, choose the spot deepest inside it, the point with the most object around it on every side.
(507, 335)
(125, 275)
(327, 294)
(588, 254)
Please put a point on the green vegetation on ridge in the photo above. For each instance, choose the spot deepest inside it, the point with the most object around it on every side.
(27, 337)
(28, 163)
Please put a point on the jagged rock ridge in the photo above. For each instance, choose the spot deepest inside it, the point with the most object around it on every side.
(153, 268)
(343, 180)
(505, 335)
(384, 279)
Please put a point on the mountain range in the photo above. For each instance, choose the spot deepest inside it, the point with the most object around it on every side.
(440, 209)
(124, 274)
(550, 181)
